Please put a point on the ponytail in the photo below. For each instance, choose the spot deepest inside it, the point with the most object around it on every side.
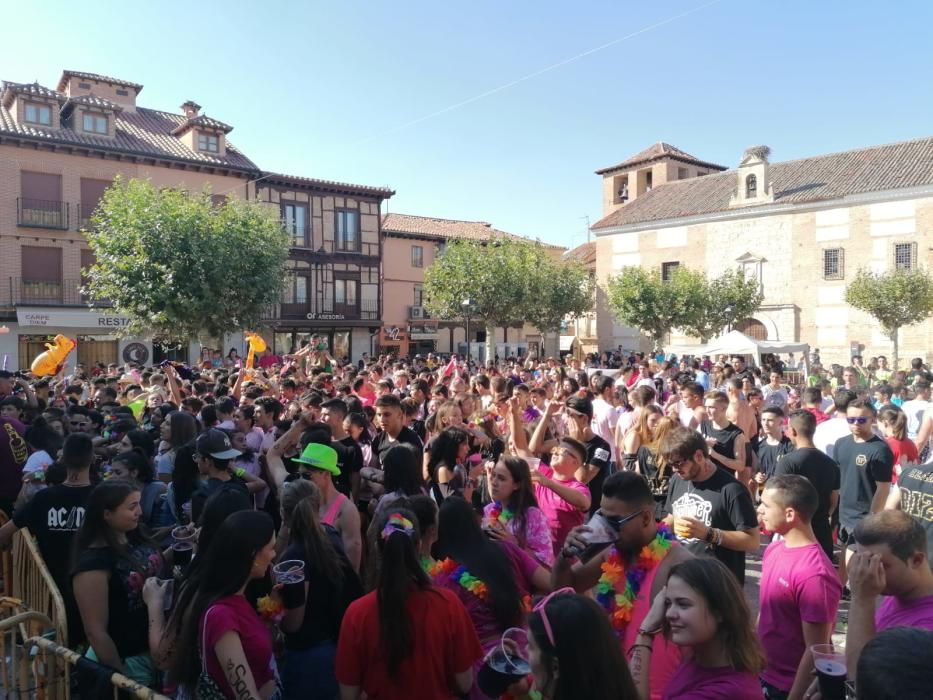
(305, 530)
(401, 567)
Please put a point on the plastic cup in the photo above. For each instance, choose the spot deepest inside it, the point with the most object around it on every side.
(182, 553)
(501, 667)
(831, 671)
(681, 528)
(533, 464)
(291, 575)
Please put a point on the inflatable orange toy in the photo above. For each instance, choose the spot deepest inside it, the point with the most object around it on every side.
(51, 361)
(256, 344)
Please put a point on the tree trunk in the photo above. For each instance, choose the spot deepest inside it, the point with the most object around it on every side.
(894, 333)
(490, 342)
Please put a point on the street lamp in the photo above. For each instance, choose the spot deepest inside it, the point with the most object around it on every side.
(468, 305)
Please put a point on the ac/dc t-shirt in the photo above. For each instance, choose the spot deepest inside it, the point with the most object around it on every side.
(720, 502)
(53, 517)
(863, 466)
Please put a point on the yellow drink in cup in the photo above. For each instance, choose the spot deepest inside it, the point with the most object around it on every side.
(681, 527)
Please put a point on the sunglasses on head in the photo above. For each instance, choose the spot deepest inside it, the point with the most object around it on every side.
(857, 420)
(541, 607)
(558, 451)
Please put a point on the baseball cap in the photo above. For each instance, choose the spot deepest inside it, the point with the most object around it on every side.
(215, 443)
(318, 456)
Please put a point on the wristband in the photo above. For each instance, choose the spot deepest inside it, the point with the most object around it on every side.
(648, 633)
(639, 646)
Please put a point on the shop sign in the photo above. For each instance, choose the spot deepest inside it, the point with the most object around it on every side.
(70, 319)
(424, 336)
(326, 317)
(136, 352)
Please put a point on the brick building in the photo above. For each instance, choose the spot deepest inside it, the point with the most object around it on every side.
(410, 245)
(61, 147)
(801, 228)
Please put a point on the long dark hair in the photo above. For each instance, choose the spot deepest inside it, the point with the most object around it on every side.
(136, 461)
(713, 582)
(142, 440)
(183, 428)
(305, 531)
(227, 565)
(400, 570)
(107, 496)
(402, 467)
(459, 537)
(40, 436)
(185, 476)
(523, 497)
(585, 648)
(444, 450)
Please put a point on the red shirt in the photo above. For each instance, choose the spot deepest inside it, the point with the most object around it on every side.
(445, 644)
(905, 449)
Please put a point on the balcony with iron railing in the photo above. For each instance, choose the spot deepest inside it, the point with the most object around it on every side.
(66, 292)
(42, 213)
(323, 310)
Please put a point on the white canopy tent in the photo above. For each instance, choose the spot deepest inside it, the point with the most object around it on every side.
(736, 343)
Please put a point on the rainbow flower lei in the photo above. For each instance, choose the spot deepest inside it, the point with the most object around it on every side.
(617, 589)
(270, 608)
(448, 570)
(500, 514)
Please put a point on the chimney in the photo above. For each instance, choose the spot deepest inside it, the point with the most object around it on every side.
(190, 109)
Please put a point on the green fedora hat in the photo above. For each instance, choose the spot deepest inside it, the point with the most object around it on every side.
(319, 456)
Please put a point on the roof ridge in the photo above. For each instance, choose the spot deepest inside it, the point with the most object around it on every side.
(919, 139)
(441, 218)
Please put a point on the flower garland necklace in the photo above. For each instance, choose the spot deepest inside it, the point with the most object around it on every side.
(617, 589)
(447, 570)
(500, 514)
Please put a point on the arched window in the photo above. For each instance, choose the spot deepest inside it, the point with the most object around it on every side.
(751, 187)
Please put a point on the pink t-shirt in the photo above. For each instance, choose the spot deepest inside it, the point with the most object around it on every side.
(893, 613)
(692, 682)
(234, 613)
(798, 584)
(561, 516)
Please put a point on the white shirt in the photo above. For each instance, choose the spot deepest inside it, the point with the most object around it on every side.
(915, 408)
(827, 432)
(604, 420)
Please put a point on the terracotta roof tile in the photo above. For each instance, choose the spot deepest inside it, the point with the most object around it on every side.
(446, 229)
(205, 121)
(329, 185)
(656, 152)
(584, 253)
(145, 132)
(30, 90)
(95, 76)
(94, 101)
(831, 176)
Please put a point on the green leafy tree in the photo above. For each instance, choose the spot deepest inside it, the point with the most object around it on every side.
(718, 303)
(506, 282)
(895, 299)
(641, 299)
(181, 267)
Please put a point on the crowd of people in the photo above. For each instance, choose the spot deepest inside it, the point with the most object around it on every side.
(433, 528)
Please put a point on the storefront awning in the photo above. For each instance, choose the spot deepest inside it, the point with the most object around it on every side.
(566, 342)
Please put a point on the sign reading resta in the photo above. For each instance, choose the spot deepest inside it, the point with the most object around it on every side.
(70, 319)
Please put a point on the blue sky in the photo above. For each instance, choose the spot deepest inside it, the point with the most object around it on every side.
(330, 89)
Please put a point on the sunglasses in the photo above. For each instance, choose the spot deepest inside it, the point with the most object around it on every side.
(541, 607)
(859, 420)
(677, 464)
(617, 521)
(306, 475)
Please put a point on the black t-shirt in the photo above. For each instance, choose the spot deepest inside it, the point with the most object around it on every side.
(862, 465)
(383, 443)
(598, 454)
(823, 473)
(916, 490)
(209, 488)
(349, 460)
(725, 441)
(53, 516)
(720, 502)
(326, 602)
(128, 617)
(769, 455)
